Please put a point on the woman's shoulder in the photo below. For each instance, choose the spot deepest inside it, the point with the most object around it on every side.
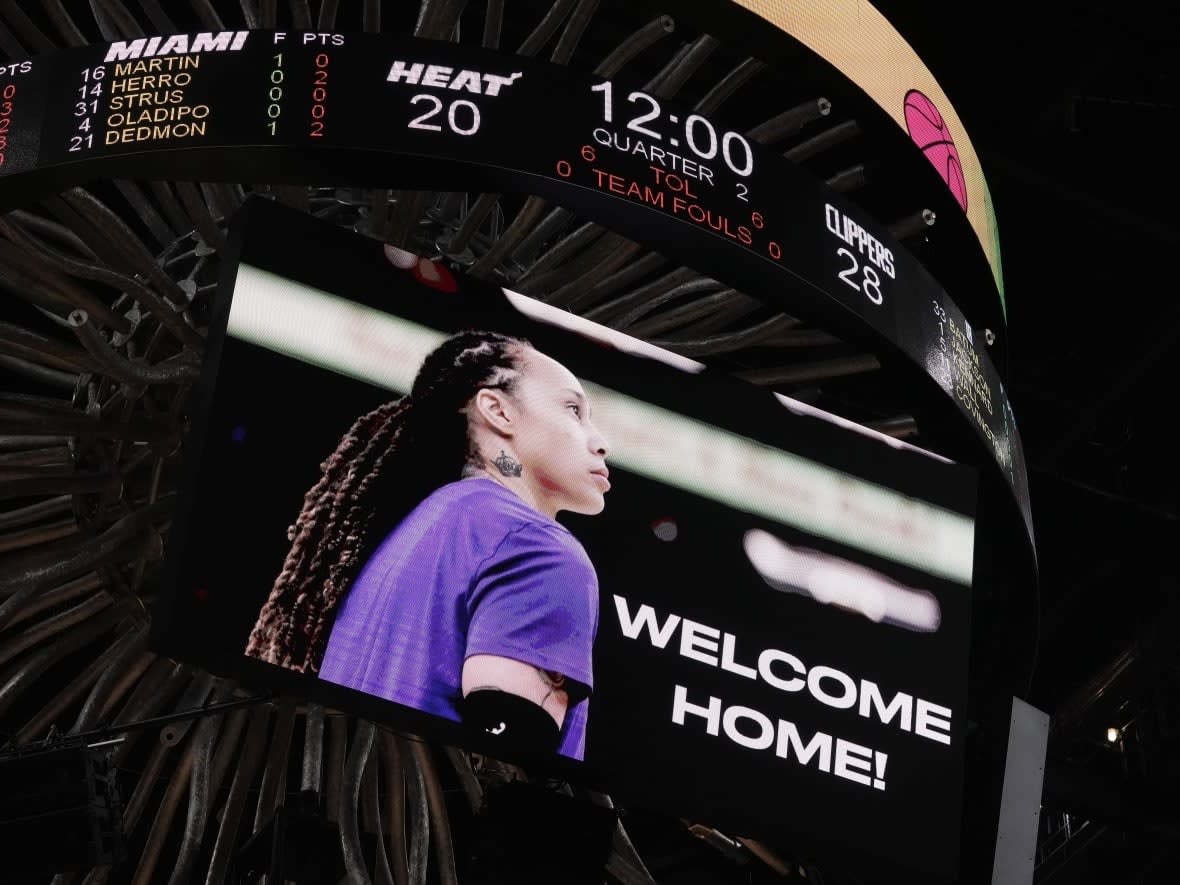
(477, 490)
(497, 511)
(484, 501)
(495, 525)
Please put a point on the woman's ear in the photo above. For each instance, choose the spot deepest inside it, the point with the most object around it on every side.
(493, 410)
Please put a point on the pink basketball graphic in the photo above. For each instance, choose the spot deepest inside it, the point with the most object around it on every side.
(930, 133)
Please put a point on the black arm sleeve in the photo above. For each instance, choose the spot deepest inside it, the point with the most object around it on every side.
(513, 719)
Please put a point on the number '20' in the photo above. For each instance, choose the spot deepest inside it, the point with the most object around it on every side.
(466, 123)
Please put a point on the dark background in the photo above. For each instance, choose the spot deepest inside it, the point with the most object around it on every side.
(1073, 109)
(234, 547)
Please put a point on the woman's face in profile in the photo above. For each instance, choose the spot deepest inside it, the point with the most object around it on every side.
(562, 452)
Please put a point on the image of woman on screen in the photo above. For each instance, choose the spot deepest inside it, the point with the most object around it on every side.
(426, 566)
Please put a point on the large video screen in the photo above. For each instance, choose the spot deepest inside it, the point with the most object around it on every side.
(421, 499)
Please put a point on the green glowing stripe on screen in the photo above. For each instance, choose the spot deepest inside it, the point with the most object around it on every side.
(361, 342)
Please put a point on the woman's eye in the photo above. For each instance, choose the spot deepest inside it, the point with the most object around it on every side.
(577, 409)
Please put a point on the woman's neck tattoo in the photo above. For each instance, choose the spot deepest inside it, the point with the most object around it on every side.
(507, 465)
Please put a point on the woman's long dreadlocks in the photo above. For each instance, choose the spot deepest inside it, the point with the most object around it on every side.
(388, 461)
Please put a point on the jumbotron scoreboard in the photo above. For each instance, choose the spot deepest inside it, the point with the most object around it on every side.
(378, 110)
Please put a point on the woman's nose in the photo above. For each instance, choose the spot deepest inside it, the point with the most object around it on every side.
(598, 443)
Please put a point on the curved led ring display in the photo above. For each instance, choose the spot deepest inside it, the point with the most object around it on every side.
(858, 40)
(376, 110)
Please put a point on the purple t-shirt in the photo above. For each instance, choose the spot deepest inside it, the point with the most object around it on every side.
(471, 570)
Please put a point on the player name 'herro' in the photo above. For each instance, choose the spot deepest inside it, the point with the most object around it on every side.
(177, 44)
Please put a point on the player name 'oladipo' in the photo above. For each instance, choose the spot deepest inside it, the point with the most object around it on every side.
(177, 44)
